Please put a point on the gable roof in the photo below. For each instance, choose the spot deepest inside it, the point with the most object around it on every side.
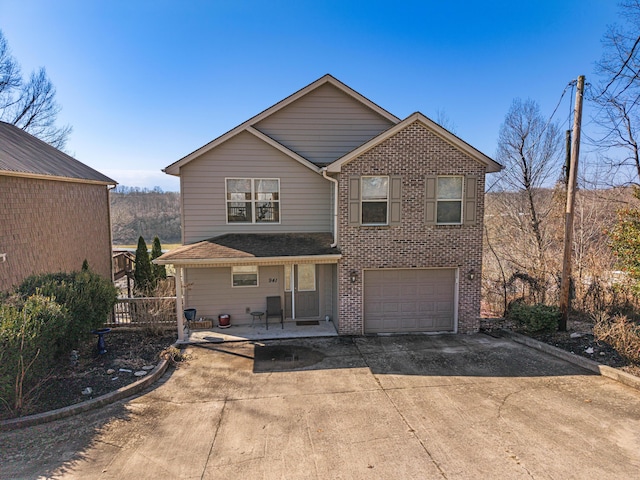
(174, 168)
(22, 154)
(446, 135)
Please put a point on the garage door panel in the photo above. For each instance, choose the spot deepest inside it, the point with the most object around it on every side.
(391, 292)
(442, 306)
(390, 308)
(426, 307)
(376, 291)
(409, 308)
(426, 324)
(410, 300)
(410, 291)
(409, 323)
(441, 323)
(426, 291)
(390, 323)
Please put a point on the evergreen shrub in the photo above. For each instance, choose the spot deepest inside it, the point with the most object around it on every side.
(86, 296)
(534, 318)
(30, 332)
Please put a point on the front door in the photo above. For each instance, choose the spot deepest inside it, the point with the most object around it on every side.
(304, 281)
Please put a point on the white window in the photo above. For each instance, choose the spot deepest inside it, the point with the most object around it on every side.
(244, 276)
(449, 200)
(253, 200)
(374, 200)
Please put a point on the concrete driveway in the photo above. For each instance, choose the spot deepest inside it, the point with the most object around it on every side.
(400, 407)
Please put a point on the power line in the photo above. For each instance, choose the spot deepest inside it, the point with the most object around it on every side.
(534, 144)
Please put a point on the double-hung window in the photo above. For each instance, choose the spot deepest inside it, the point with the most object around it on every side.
(375, 200)
(449, 200)
(253, 200)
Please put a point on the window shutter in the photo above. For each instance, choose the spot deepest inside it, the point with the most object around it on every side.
(395, 200)
(470, 200)
(430, 200)
(354, 200)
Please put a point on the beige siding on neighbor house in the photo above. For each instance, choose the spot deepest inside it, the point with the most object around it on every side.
(324, 125)
(304, 195)
(50, 226)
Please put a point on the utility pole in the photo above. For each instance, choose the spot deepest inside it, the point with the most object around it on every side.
(568, 215)
(567, 159)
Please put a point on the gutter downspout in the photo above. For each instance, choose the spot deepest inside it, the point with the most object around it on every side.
(335, 206)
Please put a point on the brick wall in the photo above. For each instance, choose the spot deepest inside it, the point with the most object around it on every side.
(412, 153)
(49, 226)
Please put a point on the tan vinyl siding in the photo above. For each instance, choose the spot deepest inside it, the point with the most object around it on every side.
(210, 292)
(324, 125)
(305, 196)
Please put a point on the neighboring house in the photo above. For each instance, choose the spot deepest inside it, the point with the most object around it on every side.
(54, 210)
(340, 208)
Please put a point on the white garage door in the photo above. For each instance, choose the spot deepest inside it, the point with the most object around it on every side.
(409, 300)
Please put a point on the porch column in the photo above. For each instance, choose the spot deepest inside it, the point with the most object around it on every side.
(179, 312)
(292, 281)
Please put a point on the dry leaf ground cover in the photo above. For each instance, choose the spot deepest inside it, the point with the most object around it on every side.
(128, 351)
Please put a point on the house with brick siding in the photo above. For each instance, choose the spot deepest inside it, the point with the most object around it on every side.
(343, 210)
(54, 210)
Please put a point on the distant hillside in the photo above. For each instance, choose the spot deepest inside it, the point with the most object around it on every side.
(136, 212)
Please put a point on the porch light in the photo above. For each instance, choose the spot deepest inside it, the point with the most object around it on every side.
(472, 274)
(353, 276)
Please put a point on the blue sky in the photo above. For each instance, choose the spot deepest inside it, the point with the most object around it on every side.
(144, 83)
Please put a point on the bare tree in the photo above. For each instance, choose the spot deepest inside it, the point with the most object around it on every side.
(618, 94)
(29, 105)
(592, 255)
(508, 265)
(445, 121)
(10, 76)
(530, 150)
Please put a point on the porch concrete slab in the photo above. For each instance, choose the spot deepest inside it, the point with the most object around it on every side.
(446, 406)
(243, 332)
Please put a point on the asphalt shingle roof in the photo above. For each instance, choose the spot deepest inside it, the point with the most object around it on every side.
(256, 245)
(21, 152)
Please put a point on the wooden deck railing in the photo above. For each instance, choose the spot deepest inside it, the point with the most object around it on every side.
(133, 312)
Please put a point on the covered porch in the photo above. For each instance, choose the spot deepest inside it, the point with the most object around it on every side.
(233, 275)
